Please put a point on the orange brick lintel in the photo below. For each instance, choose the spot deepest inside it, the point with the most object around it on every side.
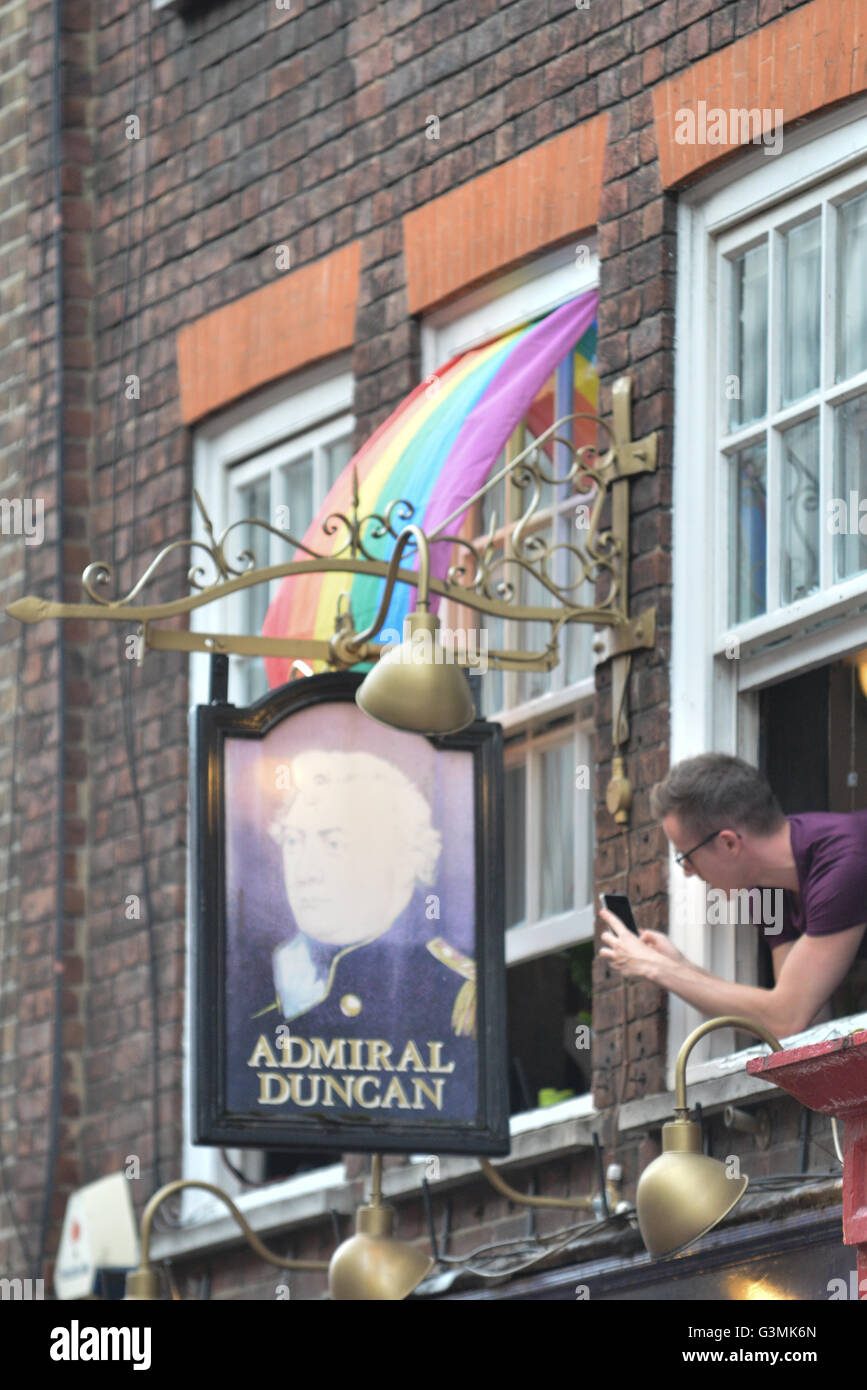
(811, 58)
(511, 212)
(303, 316)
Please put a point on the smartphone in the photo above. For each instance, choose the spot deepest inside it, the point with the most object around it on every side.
(619, 904)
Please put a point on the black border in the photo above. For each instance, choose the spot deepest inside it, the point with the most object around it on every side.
(213, 1122)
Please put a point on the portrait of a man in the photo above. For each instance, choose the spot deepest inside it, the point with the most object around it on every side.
(358, 849)
(350, 922)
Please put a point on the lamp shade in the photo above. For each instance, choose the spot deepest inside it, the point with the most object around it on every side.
(683, 1194)
(374, 1267)
(417, 685)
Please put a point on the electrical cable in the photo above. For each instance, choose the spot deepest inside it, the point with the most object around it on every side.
(792, 1179)
(581, 1227)
(60, 856)
(624, 1074)
(512, 1270)
(124, 664)
(20, 655)
(13, 788)
(13, 809)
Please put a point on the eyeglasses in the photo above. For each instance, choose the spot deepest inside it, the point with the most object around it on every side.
(679, 858)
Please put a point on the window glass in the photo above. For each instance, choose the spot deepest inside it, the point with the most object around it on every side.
(254, 501)
(799, 511)
(557, 830)
(795, 480)
(300, 498)
(850, 487)
(515, 797)
(802, 281)
(747, 543)
(749, 337)
(852, 288)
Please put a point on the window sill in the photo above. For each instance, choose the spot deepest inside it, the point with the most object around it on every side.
(712, 1090)
(525, 943)
(578, 699)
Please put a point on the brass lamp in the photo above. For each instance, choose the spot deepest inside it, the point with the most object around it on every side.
(373, 1266)
(143, 1284)
(682, 1194)
(412, 686)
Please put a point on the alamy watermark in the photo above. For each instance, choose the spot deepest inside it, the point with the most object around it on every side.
(23, 517)
(746, 907)
(445, 647)
(25, 1289)
(847, 517)
(737, 126)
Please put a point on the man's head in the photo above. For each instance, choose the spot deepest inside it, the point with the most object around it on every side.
(717, 810)
(356, 837)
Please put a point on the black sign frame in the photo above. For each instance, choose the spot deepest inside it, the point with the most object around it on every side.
(217, 1120)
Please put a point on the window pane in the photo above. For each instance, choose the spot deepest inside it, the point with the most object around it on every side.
(546, 999)
(749, 336)
(493, 682)
(493, 687)
(852, 288)
(253, 501)
(557, 838)
(298, 481)
(493, 503)
(850, 487)
(801, 309)
(515, 797)
(544, 460)
(799, 511)
(535, 636)
(747, 536)
(337, 456)
(576, 639)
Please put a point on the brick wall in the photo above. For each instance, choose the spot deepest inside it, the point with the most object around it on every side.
(306, 127)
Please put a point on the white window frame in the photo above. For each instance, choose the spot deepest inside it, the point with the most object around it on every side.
(507, 302)
(715, 701)
(315, 406)
(492, 310)
(539, 936)
(237, 445)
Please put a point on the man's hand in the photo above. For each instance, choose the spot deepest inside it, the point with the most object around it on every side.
(630, 954)
(662, 943)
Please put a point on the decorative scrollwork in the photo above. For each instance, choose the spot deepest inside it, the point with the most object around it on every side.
(489, 574)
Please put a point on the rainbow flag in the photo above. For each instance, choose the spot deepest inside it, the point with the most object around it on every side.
(435, 451)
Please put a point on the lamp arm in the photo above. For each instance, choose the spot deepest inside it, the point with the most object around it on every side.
(573, 1204)
(253, 1240)
(729, 1021)
(421, 602)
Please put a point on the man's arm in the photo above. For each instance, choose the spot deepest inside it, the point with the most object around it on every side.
(778, 955)
(810, 972)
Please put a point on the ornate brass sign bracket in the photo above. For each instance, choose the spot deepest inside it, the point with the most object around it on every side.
(490, 576)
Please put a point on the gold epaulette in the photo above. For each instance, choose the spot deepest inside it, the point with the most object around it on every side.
(464, 1011)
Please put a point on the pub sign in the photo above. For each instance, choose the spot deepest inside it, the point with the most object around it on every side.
(348, 926)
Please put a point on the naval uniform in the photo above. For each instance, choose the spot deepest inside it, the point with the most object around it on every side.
(409, 984)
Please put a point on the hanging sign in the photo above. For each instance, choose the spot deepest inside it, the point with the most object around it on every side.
(347, 929)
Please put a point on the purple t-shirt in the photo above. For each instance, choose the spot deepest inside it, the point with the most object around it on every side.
(830, 853)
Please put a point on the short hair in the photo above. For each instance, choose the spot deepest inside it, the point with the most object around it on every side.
(714, 791)
(415, 834)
